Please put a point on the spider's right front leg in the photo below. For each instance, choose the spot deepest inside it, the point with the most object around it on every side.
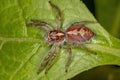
(40, 24)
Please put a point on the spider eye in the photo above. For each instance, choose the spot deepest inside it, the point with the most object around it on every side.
(53, 35)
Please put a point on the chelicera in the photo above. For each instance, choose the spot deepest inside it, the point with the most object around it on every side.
(76, 34)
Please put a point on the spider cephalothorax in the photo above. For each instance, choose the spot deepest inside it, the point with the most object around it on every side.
(77, 34)
(55, 36)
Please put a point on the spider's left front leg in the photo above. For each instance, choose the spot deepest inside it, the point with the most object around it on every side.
(47, 61)
(52, 57)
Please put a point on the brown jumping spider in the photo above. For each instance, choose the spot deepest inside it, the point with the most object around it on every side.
(75, 34)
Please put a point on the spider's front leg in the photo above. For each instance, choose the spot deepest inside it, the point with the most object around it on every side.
(40, 24)
(49, 59)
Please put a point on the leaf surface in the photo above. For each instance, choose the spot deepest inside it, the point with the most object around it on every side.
(23, 48)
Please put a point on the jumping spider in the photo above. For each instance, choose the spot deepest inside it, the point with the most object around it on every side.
(76, 34)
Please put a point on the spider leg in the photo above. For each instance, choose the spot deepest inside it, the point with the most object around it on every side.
(40, 24)
(58, 14)
(68, 58)
(44, 62)
(52, 58)
(83, 23)
(51, 61)
(47, 59)
(85, 48)
(82, 46)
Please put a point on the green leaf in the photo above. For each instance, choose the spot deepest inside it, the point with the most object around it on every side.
(23, 48)
(108, 13)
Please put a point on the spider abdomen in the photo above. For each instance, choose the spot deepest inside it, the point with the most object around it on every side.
(77, 34)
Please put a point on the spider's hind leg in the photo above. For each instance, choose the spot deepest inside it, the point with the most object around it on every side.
(82, 46)
(88, 50)
(83, 23)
